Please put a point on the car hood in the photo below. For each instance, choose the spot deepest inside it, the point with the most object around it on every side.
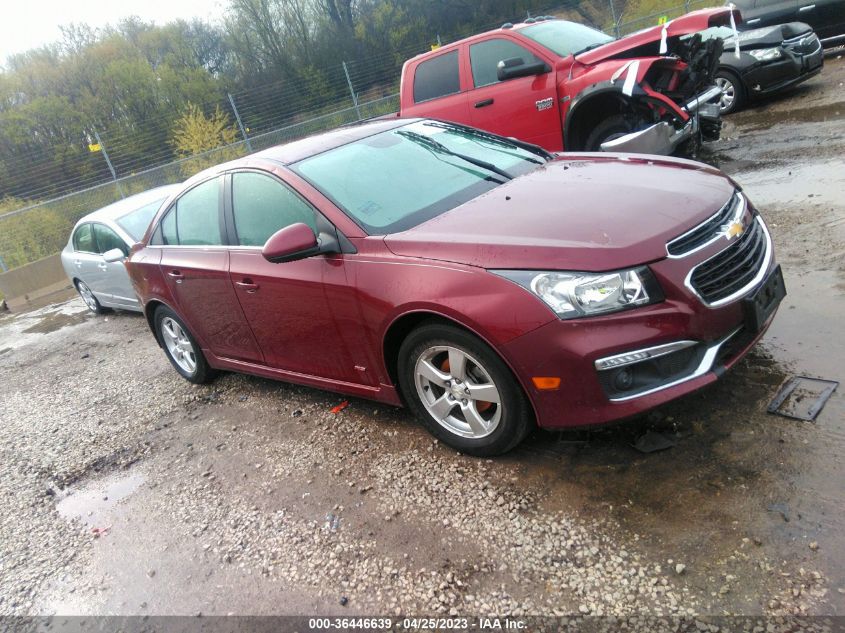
(768, 36)
(589, 212)
(690, 23)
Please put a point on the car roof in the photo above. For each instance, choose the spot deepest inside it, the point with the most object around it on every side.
(122, 207)
(301, 149)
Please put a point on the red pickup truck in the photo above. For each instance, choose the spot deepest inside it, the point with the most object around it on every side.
(563, 85)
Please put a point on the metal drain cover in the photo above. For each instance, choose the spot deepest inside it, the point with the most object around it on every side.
(802, 397)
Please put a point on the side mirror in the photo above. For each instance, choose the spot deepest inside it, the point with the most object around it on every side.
(514, 67)
(114, 255)
(293, 242)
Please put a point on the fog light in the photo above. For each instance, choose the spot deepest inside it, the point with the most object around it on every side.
(624, 379)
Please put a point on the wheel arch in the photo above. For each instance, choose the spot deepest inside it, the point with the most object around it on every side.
(405, 323)
(590, 108)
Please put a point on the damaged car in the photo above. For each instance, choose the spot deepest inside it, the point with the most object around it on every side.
(764, 61)
(566, 86)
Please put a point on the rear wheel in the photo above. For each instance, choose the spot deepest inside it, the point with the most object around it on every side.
(88, 297)
(181, 348)
(733, 93)
(462, 392)
(611, 128)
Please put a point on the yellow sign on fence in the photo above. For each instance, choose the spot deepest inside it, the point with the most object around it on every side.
(93, 147)
(663, 19)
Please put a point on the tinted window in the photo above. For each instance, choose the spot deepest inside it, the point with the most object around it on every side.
(437, 77)
(262, 205)
(83, 239)
(136, 222)
(485, 57)
(108, 239)
(195, 218)
(371, 181)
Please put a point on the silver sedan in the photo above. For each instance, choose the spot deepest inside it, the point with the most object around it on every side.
(98, 244)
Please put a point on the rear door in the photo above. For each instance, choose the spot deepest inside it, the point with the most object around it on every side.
(195, 266)
(436, 90)
(524, 107)
(770, 12)
(296, 309)
(87, 262)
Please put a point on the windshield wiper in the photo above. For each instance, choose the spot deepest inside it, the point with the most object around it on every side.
(591, 47)
(498, 140)
(437, 146)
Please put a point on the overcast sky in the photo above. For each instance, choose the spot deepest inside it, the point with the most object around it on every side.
(26, 24)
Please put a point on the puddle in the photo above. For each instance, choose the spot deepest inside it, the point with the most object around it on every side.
(94, 504)
(21, 329)
(55, 321)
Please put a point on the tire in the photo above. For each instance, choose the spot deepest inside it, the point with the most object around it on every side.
(88, 297)
(451, 402)
(733, 92)
(181, 347)
(610, 128)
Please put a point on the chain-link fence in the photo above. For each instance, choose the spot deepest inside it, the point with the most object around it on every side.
(369, 89)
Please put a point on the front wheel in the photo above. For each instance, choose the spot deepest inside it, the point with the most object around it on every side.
(181, 348)
(610, 129)
(88, 297)
(462, 391)
(733, 93)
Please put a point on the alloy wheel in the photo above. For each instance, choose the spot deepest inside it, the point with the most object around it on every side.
(178, 345)
(87, 296)
(458, 392)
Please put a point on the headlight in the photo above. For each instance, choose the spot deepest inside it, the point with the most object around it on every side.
(766, 54)
(575, 294)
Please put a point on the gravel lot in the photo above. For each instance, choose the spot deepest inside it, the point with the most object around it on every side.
(125, 490)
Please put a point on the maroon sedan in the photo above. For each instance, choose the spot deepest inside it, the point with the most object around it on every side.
(483, 282)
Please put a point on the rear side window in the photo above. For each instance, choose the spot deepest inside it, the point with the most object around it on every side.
(437, 77)
(485, 56)
(195, 218)
(83, 239)
(108, 239)
(261, 205)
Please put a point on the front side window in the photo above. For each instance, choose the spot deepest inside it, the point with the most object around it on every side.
(565, 38)
(83, 239)
(108, 239)
(261, 205)
(195, 218)
(485, 56)
(437, 78)
(398, 179)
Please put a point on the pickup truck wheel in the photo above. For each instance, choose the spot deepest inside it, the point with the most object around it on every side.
(609, 129)
(733, 93)
(462, 391)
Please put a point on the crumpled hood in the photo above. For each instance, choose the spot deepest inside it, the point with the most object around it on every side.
(589, 212)
(689, 23)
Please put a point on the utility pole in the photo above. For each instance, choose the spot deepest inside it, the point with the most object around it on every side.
(240, 123)
(351, 90)
(108, 162)
(3, 267)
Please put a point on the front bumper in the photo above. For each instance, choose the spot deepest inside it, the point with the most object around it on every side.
(791, 69)
(663, 137)
(674, 348)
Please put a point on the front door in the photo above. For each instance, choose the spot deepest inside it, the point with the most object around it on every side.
(115, 279)
(525, 108)
(291, 306)
(195, 265)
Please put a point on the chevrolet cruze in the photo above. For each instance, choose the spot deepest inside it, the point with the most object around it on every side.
(486, 284)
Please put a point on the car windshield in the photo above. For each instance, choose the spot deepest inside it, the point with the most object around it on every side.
(565, 38)
(398, 179)
(136, 222)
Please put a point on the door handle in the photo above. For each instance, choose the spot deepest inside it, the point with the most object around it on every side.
(103, 266)
(752, 21)
(178, 276)
(808, 7)
(78, 263)
(248, 285)
(484, 104)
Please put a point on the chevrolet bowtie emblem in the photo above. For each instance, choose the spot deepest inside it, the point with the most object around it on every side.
(732, 230)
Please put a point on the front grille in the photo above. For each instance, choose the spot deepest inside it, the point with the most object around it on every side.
(734, 268)
(803, 44)
(708, 230)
